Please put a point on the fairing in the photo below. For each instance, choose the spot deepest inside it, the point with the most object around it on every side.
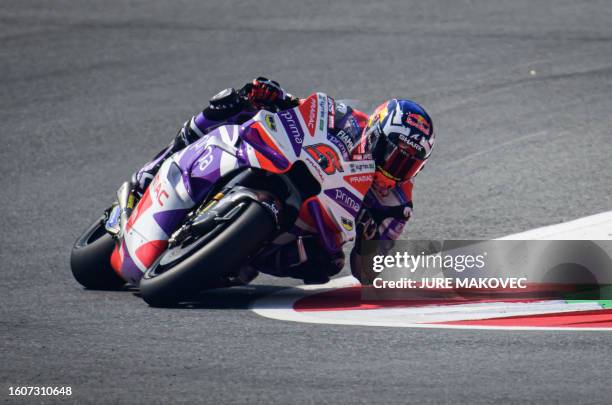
(272, 142)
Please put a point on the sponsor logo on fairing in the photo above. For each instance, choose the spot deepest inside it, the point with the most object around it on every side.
(316, 168)
(345, 199)
(346, 138)
(362, 156)
(330, 105)
(269, 119)
(206, 159)
(326, 157)
(291, 124)
(308, 109)
(361, 166)
(347, 224)
(331, 118)
(321, 114)
(360, 182)
(340, 145)
(360, 178)
(160, 194)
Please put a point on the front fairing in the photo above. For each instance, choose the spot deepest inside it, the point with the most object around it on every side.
(302, 134)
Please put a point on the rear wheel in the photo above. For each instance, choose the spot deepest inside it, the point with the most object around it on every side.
(185, 269)
(90, 259)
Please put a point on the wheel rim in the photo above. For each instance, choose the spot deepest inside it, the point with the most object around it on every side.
(176, 254)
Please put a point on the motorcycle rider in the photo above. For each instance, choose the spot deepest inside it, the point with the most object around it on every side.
(399, 135)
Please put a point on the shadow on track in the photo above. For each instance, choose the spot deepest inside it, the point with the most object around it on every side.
(228, 298)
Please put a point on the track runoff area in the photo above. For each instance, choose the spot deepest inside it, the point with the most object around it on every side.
(341, 301)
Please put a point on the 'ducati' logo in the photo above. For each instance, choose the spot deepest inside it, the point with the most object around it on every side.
(326, 157)
(309, 111)
(346, 199)
(293, 129)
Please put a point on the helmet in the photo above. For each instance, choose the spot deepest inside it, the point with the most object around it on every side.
(400, 136)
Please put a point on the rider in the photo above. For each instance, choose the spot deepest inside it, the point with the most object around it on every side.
(399, 135)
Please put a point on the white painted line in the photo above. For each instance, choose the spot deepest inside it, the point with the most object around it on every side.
(594, 227)
(281, 304)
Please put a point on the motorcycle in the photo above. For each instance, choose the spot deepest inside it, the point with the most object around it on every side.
(223, 201)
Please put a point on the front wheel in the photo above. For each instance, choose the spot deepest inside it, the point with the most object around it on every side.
(184, 270)
(90, 259)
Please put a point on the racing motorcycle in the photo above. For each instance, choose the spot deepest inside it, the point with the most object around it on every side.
(223, 201)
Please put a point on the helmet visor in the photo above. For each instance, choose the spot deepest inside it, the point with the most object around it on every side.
(399, 164)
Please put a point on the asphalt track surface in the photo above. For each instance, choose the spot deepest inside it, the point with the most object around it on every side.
(520, 93)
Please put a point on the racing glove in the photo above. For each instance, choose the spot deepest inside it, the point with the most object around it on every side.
(385, 225)
(263, 93)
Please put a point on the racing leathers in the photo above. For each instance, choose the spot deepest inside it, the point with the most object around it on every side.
(385, 209)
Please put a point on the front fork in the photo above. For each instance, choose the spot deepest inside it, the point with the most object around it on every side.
(120, 213)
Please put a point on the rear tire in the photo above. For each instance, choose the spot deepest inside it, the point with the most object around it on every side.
(221, 256)
(90, 259)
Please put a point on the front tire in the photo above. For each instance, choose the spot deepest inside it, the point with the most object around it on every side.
(90, 259)
(221, 256)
